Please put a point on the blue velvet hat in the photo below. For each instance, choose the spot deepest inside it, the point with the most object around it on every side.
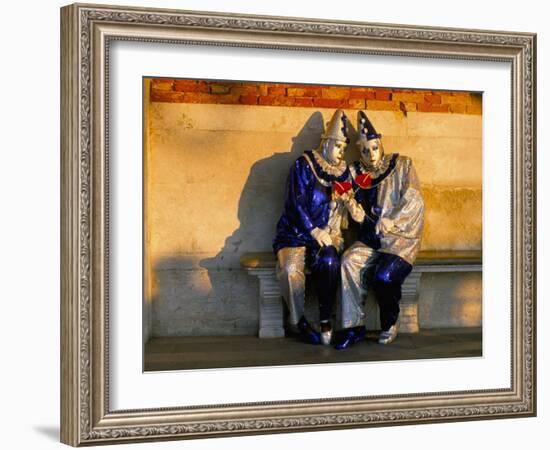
(366, 128)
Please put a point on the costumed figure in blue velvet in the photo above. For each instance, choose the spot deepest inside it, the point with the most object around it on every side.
(387, 188)
(309, 230)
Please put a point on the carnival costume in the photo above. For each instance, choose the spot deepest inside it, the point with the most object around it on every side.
(309, 230)
(389, 237)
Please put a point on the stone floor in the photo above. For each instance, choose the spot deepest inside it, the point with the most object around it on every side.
(180, 353)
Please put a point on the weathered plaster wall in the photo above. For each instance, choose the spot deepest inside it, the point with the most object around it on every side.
(215, 180)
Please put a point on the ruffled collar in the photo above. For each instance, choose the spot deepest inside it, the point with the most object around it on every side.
(324, 171)
(329, 168)
(375, 172)
(367, 177)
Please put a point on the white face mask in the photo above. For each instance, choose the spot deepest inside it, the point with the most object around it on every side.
(372, 152)
(333, 151)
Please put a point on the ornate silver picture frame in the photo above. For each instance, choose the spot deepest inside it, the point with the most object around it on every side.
(87, 32)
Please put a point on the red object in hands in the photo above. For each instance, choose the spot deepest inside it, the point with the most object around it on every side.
(364, 180)
(343, 187)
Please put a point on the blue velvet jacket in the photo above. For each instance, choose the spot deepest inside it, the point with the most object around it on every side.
(306, 204)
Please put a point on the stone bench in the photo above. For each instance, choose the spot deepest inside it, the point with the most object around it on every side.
(262, 265)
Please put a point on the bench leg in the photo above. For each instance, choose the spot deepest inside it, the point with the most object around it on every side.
(408, 317)
(270, 304)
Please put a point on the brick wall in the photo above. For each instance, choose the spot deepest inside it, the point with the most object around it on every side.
(295, 95)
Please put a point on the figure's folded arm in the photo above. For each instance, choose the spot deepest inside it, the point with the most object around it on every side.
(355, 210)
(407, 217)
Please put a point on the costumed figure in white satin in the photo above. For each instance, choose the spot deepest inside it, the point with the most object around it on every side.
(388, 190)
(309, 230)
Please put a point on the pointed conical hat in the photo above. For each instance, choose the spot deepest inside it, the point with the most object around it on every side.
(337, 128)
(365, 128)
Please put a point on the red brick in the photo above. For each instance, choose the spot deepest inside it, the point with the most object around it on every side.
(313, 91)
(249, 89)
(336, 93)
(458, 108)
(220, 89)
(433, 98)
(429, 107)
(304, 101)
(378, 105)
(275, 100)
(224, 99)
(203, 86)
(190, 86)
(383, 95)
(162, 84)
(330, 102)
(263, 89)
(167, 96)
(199, 97)
(476, 106)
(408, 97)
(305, 86)
(193, 97)
(473, 110)
(363, 93)
(303, 91)
(454, 99)
(357, 103)
(184, 85)
(408, 106)
(276, 90)
(281, 85)
(462, 94)
(248, 99)
(295, 92)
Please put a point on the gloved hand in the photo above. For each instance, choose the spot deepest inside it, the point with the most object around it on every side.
(322, 237)
(354, 208)
(384, 225)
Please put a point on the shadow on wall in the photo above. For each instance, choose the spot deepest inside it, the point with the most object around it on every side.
(259, 208)
(261, 199)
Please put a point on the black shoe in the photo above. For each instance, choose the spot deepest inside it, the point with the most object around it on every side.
(350, 336)
(308, 333)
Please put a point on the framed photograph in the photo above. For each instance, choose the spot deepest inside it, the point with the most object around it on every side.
(277, 225)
